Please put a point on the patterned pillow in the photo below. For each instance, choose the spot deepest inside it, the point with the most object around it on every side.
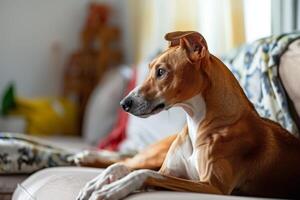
(21, 153)
(289, 71)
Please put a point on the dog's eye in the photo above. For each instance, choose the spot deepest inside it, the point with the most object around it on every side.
(160, 72)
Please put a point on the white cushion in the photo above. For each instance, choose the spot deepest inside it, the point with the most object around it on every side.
(142, 132)
(64, 183)
(55, 183)
(9, 182)
(101, 111)
(289, 71)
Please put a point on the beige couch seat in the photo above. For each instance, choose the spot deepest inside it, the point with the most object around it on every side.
(64, 183)
(9, 182)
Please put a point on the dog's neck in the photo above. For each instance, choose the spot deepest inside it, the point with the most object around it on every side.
(222, 103)
(195, 109)
(225, 100)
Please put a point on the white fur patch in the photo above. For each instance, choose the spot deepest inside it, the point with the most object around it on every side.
(124, 186)
(87, 157)
(108, 176)
(183, 161)
(198, 108)
(195, 109)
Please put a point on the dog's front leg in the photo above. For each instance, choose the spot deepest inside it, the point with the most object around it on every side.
(123, 187)
(138, 179)
(109, 175)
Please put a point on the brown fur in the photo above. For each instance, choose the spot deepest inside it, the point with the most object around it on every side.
(238, 151)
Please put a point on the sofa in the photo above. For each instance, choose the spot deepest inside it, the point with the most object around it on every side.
(46, 184)
(65, 182)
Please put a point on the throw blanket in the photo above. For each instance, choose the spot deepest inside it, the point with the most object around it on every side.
(256, 65)
(21, 153)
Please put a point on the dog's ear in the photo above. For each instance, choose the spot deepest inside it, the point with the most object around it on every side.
(192, 41)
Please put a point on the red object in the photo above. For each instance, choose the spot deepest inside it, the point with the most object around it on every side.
(118, 134)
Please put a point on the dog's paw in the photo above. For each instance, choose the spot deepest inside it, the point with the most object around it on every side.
(109, 175)
(121, 188)
(85, 157)
(95, 158)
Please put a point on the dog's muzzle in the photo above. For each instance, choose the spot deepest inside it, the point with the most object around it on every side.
(141, 107)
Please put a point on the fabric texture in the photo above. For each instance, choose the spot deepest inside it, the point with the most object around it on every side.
(256, 66)
(64, 183)
(289, 71)
(24, 154)
(55, 183)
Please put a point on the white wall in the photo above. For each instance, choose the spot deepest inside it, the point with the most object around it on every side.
(35, 39)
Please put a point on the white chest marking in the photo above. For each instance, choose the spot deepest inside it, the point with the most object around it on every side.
(184, 160)
(195, 112)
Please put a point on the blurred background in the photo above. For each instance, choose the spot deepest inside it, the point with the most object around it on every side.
(56, 55)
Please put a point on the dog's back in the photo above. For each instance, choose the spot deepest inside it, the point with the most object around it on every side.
(274, 163)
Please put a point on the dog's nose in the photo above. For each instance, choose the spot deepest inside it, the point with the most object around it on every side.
(126, 104)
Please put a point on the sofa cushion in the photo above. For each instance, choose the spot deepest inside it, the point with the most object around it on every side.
(101, 111)
(9, 182)
(289, 71)
(55, 183)
(64, 183)
(24, 154)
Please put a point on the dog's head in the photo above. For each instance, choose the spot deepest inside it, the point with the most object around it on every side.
(175, 76)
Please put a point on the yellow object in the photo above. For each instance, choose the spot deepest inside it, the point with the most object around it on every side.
(48, 116)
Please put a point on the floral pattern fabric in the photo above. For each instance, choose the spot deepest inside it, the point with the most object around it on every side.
(21, 153)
